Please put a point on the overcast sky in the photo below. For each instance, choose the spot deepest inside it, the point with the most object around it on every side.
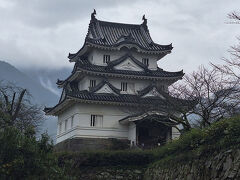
(41, 33)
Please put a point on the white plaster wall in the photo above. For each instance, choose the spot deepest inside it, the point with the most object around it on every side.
(82, 115)
(85, 82)
(111, 128)
(138, 84)
(175, 133)
(96, 57)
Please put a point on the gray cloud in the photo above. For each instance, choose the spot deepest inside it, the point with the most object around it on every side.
(40, 33)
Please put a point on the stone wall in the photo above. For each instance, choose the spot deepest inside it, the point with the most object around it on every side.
(220, 166)
(85, 144)
(117, 173)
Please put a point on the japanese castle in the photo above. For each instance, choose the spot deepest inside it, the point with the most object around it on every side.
(115, 89)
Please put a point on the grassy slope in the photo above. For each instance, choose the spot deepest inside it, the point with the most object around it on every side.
(219, 136)
(201, 142)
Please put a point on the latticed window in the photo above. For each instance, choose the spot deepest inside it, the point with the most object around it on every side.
(145, 61)
(124, 86)
(96, 120)
(93, 120)
(106, 58)
(92, 83)
(66, 122)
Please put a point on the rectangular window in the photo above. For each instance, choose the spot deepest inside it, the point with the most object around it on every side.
(124, 86)
(92, 83)
(66, 125)
(145, 61)
(96, 121)
(93, 120)
(106, 58)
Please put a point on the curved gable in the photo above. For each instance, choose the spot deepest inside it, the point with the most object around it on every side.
(128, 64)
(105, 89)
(154, 93)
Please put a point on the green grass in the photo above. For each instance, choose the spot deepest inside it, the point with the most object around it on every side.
(219, 136)
(193, 144)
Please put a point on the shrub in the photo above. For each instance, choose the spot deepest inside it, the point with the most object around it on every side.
(117, 144)
(105, 158)
(201, 142)
(24, 157)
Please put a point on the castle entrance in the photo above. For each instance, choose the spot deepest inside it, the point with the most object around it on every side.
(151, 133)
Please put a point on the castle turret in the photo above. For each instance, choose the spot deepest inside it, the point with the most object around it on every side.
(115, 80)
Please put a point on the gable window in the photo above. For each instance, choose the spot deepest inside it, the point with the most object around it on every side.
(124, 86)
(92, 83)
(106, 58)
(96, 120)
(145, 61)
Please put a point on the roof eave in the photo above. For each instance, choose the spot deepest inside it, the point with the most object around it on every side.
(82, 51)
(117, 48)
(131, 76)
(54, 111)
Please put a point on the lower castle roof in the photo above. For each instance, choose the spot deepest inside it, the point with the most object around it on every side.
(86, 65)
(120, 99)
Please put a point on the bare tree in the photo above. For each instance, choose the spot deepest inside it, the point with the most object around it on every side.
(232, 64)
(213, 95)
(17, 110)
(235, 17)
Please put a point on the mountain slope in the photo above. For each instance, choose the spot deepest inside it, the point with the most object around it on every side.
(40, 95)
(9, 73)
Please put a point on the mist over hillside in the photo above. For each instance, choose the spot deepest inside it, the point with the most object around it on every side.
(42, 86)
(48, 77)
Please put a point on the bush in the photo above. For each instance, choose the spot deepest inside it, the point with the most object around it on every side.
(117, 144)
(105, 158)
(23, 157)
(202, 142)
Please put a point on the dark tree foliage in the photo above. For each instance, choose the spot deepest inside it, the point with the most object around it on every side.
(22, 156)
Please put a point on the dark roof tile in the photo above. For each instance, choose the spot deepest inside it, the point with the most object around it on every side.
(111, 34)
(86, 65)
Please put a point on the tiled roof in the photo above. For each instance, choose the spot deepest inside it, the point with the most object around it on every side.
(122, 98)
(112, 34)
(113, 63)
(86, 65)
(149, 116)
(101, 84)
(148, 89)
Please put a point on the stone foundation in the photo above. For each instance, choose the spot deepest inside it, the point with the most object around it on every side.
(129, 173)
(85, 144)
(221, 166)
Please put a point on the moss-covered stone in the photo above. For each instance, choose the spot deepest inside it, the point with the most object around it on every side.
(224, 165)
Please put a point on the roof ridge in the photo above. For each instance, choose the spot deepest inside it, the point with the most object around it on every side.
(117, 23)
